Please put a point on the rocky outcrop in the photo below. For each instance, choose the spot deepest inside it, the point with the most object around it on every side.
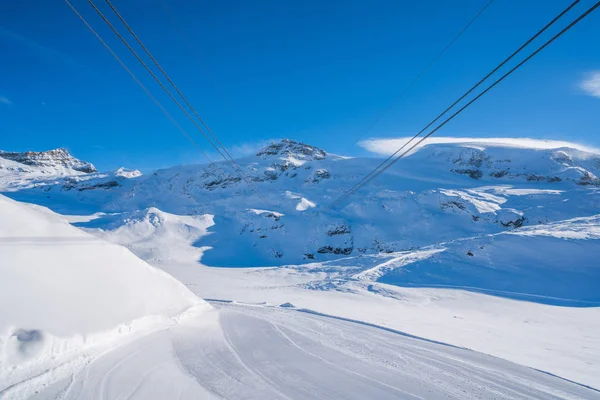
(473, 173)
(59, 158)
(290, 148)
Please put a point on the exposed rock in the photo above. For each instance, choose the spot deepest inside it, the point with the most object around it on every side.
(101, 185)
(499, 174)
(335, 250)
(513, 224)
(588, 179)
(473, 173)
(50, 158)
(452, 204)
(291, 148)
(339, 230)
(562, 158)
(535, 178)
(476, 158)
(222, 182)
(318, 176)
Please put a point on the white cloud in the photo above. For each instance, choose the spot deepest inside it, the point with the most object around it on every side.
(248, 149)
(389, 146)
(4, 100)
(591, 85)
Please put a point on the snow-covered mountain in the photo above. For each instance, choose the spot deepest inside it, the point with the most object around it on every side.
(514, 222)
(57, 161)
(438, 194)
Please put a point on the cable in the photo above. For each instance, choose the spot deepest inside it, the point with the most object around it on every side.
(240, 172)
(228, 156)
(138, 82)
(423, 71)
(468, 104)
(472, 88)
(195, 52)
(365, 178)
(539, 49)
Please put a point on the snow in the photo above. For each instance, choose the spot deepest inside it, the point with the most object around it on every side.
(258, 352)
(482, 244)
(152, 234)
(389, 146)
(303, 204)
(260, 212)
(456, 191)
(63, 289)
(561, 340)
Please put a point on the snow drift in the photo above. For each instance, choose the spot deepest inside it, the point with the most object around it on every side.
(62, 288)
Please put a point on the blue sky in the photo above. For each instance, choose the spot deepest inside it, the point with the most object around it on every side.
(316, 71)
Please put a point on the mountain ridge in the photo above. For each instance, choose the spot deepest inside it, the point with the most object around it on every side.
(437, 194)
(56, 158)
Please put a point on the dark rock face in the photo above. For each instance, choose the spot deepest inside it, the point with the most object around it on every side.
(588, 179)
(102, 185)
(50, 158)
(517, 223)
(222, 182)
(535, 178)
(338, 230)
(335, 250)
(453, 204)
(472, 158)
(473, 173)
(318, 176)
(499, 174)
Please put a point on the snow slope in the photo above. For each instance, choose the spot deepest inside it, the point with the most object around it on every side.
(154, 235)
(63, 290)
(54, 162)
(249, 352)
(561, 340)
(440, 246)
(554, 263)
(440, 193)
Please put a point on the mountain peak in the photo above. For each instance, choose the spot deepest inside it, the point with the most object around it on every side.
(290, 148)
(50, 158)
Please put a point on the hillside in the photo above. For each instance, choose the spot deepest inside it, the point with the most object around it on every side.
(446, 245)
(440, 193)
(63, 291)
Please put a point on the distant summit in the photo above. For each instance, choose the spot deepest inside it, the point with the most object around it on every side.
(50, 159)
(290, 148)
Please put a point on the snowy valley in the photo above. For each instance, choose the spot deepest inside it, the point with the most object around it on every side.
(461, 272)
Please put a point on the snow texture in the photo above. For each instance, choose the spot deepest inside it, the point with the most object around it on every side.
(486, 244)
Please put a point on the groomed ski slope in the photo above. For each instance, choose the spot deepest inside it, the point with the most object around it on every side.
(255, 352)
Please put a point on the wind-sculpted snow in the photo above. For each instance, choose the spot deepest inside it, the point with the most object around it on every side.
(63, 290)
(153, 235)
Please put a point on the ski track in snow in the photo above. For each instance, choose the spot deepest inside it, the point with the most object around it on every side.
(256, 352)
